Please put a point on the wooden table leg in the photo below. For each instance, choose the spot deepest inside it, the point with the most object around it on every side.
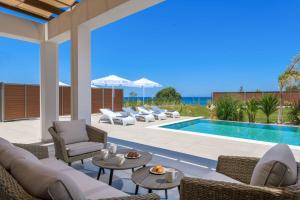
(136, 189)
(179, 189)
(166, 194)
(111, 176)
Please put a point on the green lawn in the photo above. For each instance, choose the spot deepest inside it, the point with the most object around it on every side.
(195, 111)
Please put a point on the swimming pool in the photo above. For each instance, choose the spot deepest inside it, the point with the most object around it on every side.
(259, 132)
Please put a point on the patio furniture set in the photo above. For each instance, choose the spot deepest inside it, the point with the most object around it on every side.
(129, 116)
(274, 176)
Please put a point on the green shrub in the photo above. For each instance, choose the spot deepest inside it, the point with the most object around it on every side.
(268, 105)
(167, 96)
(251, 108)
(228, 108)
(293, 114)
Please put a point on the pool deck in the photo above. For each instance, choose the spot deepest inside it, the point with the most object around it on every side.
(201, 145)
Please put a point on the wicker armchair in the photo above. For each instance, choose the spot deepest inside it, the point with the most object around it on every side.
(239, 168)
(94, 134)
(10, 189)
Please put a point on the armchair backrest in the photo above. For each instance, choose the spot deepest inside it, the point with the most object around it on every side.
(72, 131)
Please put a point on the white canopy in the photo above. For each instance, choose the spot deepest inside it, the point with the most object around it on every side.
(145, 83)
(62, 84)
(112, 81)
(93, 86)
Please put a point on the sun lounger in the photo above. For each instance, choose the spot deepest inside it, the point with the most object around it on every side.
(169, 113)
(139, 116)
(113, 117)
(157, 115)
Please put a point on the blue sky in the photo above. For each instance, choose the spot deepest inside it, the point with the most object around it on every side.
(196, 46)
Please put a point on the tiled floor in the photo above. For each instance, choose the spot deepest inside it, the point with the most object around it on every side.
(190, 165)
(28, 131)
(195, 154)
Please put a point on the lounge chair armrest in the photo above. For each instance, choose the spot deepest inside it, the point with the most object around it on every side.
(39, 151)
(236, 167)
(137, 197)
(59, 145)
(96, 135)
(194, 189)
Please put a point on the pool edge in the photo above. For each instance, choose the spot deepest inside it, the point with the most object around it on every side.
(159, 127)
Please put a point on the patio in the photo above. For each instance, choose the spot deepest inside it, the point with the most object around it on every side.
(191, 166)
(148, 134)
(194, 154)
(27, 131)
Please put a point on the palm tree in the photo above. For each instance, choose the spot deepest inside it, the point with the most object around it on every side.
(290, 73)
(268, 105)
(252, 106)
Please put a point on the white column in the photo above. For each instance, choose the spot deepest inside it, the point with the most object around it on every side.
(80, 73)
(49, 94)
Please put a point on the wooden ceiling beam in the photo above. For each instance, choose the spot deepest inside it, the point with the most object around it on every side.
(44, 6)
(67, 5)
(25, 12)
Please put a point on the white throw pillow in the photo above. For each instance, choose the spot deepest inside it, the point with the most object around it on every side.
(276, 168)
(72, 131)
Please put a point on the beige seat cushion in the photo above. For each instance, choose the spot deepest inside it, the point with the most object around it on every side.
(13, 153)
(277, 167)
(83, 147)
(43, 182)
(215, 176)
(72, 131)
(91, 188)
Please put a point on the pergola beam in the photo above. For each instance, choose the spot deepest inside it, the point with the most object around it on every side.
(24, 12)
(94, 14)
(18, 28)
(44, 6)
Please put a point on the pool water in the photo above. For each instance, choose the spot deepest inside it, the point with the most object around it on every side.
(259, 132)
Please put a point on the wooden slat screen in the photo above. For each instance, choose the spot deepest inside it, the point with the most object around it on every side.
(14, 101)
(32, 101)
(23, 101)
(107, 98)
(65, 101)
(288, 97)
(97, 102)
(118, 101)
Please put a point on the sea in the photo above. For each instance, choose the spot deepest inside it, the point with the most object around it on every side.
(184, 100)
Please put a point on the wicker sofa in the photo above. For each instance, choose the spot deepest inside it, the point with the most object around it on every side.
(238, 168)
(61, 148)
(10, 189)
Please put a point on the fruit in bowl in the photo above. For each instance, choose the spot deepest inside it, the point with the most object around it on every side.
(158, 169)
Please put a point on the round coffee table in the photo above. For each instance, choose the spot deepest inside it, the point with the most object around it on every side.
(111, 164)
(142, 177)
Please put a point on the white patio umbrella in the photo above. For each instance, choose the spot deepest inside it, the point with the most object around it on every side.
(112, 81)
(145, 83)
(62, 84)
(93, 86)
